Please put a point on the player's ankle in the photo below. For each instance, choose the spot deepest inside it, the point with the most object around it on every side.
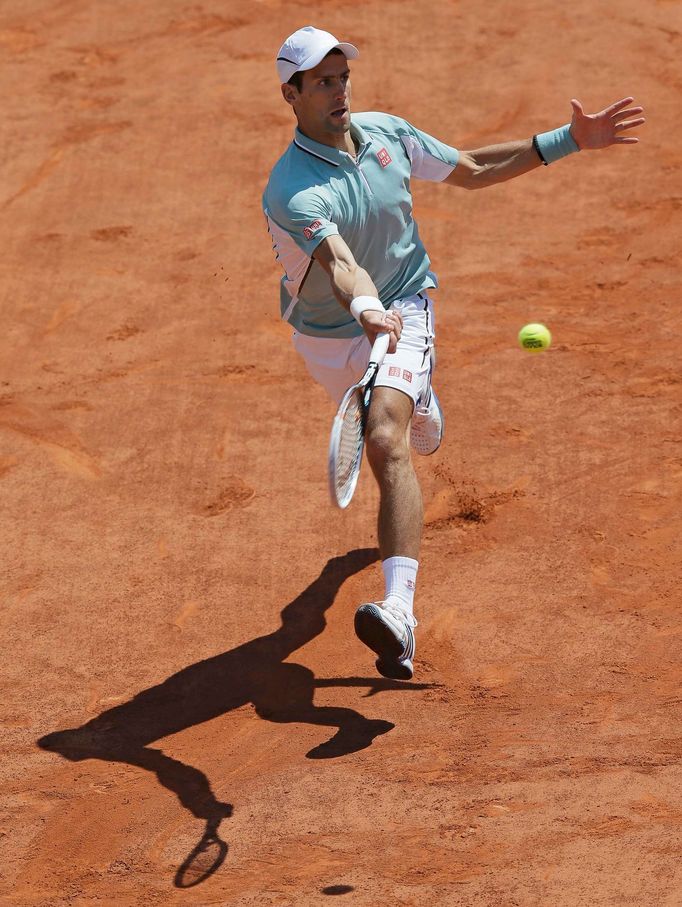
(400, 574)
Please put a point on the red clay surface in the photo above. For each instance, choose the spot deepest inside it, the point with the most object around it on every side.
(178, 593)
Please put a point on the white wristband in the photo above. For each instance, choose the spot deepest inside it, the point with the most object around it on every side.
(365, 304)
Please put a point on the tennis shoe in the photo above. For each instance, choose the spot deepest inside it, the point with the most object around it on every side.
(388, 630)
(427, 426)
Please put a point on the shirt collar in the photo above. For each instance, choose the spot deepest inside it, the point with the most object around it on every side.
(333, 155)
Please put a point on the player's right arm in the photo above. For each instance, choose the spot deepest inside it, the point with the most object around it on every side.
(349, 280)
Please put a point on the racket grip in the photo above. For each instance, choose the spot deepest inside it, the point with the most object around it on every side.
(379, 348)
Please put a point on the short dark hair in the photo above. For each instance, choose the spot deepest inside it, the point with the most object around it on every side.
(297, 79)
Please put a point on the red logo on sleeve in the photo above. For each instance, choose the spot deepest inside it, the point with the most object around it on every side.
(393, 372)
(310, 231)
(384, 157)
(407, 375)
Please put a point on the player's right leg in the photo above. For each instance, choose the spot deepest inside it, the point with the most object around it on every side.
(388, 453)
(387, 626)
(402, 400)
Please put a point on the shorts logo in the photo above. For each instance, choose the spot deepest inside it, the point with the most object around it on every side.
(393, 372)
(407, 375)
(309, 231)
(384, 157)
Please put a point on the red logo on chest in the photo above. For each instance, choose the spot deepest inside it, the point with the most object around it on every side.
(384, 157)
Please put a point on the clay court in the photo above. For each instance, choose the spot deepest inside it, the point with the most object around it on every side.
(188, 717)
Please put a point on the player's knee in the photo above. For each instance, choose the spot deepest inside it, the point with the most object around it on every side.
(385, 444)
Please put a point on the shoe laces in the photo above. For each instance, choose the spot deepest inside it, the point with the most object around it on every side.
(398, 613)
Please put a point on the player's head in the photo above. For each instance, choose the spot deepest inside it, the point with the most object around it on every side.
(313, 68)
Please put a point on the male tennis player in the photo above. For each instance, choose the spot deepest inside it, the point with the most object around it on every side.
(339, 211)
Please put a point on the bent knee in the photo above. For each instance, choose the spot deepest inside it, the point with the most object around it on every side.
(386, 443)
(389, 417)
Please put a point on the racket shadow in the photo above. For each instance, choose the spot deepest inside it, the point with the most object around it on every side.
(205, 859)
(254, 672)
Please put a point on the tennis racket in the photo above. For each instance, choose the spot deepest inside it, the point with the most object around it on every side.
(348, 431)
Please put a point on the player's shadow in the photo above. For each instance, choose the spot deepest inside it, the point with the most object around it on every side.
(254, 672)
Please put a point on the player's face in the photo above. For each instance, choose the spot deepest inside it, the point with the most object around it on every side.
(323, 104)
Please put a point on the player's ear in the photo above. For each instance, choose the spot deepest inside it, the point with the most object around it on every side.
(289, 93)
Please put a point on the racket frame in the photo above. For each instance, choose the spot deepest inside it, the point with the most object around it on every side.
(365, 385)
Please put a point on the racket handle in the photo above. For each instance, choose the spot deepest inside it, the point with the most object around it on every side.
(380, 348)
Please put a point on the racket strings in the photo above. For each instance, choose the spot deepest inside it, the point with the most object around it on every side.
(348, 431)
(350, 444)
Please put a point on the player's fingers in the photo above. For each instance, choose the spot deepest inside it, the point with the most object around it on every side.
(630, 112)
(394, 323)
(619, 105)
(627, 140)
(630, 124)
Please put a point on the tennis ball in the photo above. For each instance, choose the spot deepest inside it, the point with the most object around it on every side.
(534, 337)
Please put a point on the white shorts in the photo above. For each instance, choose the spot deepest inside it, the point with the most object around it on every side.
(337, 363)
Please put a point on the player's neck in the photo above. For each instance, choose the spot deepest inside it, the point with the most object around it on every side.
(343, 141)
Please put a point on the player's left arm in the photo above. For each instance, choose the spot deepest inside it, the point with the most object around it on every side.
(499, 163)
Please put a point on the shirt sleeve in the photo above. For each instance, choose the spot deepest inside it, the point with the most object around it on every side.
(306, 218)
(430, 159)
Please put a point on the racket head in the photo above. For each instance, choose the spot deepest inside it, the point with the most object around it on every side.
(345, 447)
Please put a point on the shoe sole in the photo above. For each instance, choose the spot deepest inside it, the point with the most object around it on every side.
(373, 632)
(395, 670)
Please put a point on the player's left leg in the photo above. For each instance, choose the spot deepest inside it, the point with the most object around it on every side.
(387, 627)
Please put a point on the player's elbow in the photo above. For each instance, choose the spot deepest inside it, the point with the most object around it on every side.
(343, 277)
(476, 176)
(468, 174)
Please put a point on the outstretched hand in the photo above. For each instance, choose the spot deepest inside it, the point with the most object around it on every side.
(599, 130)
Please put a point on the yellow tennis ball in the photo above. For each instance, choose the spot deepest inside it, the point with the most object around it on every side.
(534, 337)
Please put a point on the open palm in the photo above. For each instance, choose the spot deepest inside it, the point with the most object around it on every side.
(599, 130)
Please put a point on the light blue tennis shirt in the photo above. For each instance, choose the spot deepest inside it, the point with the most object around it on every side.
(315, 191)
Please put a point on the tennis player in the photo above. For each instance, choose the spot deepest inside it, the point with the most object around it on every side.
(339, 210)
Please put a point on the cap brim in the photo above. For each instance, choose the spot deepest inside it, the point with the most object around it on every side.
(350, 51)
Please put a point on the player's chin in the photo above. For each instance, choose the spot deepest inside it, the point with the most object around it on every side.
(340, 122)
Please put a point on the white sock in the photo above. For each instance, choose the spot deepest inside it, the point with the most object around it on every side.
(400, 575)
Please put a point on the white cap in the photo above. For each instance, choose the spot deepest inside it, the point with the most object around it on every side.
(306, 48)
